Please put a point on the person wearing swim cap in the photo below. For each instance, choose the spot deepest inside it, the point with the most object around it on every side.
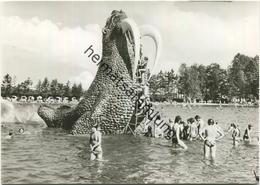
(21, 130)
(210, 136)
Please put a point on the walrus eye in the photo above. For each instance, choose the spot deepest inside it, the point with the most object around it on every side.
(104, 31)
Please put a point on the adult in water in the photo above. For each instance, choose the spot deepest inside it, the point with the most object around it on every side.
(247, 134)
(176, 141)
(211, 135)
(95, 143)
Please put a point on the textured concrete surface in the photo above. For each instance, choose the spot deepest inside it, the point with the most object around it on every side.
(106, 102)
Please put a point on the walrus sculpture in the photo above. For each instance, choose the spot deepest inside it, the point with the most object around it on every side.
(109, 100)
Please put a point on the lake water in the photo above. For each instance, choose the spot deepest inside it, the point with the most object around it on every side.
(51, 156)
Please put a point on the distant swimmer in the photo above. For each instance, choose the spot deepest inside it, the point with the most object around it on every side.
(176, 141)
(3, 125)
(22, 131)
(247, 134)
(211, 135)
(95, 143)
(10, 135)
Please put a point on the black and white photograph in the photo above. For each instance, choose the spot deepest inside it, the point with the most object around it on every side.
(129, 92)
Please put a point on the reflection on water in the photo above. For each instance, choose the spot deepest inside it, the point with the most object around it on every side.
(51, 156)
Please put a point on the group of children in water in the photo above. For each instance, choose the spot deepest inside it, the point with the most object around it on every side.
(179, 131)
(194, 129)
(236, 134)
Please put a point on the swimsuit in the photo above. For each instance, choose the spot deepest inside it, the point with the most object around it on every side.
(209, 143)
(246, 135)
(93, 141)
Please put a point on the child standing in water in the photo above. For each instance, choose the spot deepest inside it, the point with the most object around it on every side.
(247, 134)
(176, 141)
(193, 133)
(95, 143)
(235, 135)
(200, 123)
(211, 135)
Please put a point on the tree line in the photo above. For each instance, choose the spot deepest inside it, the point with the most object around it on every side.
(195, 82)
(211, 82)
(44, 88)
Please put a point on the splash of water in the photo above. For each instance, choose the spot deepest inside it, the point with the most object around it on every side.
(13, 112)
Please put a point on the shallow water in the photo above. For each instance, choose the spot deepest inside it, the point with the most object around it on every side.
(51, 156)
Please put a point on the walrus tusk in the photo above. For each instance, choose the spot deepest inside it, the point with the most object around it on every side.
(150, 31)
(129, 25)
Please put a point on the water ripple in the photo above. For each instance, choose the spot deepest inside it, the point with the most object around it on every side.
(50, 156)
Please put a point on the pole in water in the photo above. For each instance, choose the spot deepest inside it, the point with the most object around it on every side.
(256, 176)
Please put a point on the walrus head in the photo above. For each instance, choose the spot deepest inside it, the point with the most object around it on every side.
(124, 30)
(109, 99)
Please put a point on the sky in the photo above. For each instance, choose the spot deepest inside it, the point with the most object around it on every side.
(42, 39)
